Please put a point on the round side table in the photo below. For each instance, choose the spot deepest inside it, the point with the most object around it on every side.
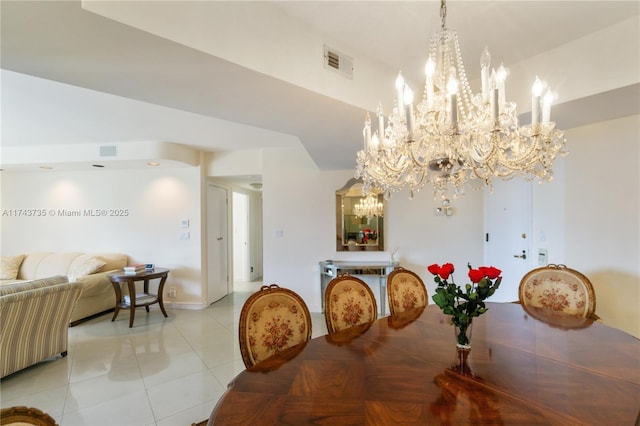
(136, 300)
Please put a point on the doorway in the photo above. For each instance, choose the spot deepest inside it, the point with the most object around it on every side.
(508, 234)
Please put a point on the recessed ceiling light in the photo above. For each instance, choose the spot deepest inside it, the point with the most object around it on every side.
(153, 163)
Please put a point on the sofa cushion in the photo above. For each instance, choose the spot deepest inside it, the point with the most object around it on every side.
(84, 265)
(55, 264)
(31, 285)
(29, 266)
(9, 266)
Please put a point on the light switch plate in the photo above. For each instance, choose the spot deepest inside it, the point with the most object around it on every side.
(542, 257)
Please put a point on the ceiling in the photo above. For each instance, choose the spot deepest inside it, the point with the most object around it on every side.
(150, 86)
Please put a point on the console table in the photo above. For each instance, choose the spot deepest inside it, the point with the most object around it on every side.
(136, 300)
(329, 269)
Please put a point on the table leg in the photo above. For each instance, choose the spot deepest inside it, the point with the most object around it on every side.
(116, 287)
(160, 294)
(132, 298)
(146, 291)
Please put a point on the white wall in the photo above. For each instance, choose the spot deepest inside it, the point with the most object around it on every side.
(153, 202)
(602, 216)
(299, 200)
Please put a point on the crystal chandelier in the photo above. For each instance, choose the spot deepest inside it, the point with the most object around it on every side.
(454, 138)
(369, 207)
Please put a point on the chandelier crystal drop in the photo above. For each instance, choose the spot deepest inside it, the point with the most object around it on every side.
(454, 138)
(369, 207)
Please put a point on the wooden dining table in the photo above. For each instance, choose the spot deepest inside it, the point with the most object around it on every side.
(526, 366)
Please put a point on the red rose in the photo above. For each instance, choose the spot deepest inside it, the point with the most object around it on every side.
(434, 269)
(476, 275)
(490, 272)
(446, 270)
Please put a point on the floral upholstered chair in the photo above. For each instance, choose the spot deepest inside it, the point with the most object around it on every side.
(348, 301)
(23, 416)
(405, 290)
(558, 288)
(271, 320)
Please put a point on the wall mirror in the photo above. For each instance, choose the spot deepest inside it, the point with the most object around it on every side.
(359, 219)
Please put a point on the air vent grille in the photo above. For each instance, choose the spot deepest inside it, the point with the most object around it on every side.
(333, 60)
(108, 151)
(338, 62)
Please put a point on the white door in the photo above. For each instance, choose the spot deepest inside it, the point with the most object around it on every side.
(217, 244)
(240, 237)
(508, 234)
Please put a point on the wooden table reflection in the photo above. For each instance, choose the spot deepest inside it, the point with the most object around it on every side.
(403, 369)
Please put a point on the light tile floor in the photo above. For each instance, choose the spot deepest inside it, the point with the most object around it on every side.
(163, 371)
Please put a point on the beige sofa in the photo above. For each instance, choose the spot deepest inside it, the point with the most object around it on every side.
(35, 321)
(91, 270)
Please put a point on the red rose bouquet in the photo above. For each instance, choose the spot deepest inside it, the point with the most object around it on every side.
(464, 304)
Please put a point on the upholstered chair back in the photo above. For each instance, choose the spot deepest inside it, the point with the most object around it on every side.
(24, 416)
(272, 320)
(558, 288)
(348, 301)
(405, 290)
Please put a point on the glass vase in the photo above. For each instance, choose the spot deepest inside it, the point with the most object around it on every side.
(463, 336)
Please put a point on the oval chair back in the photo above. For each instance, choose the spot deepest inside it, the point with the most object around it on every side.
(405, 290)
(271, 320)
(558, 288)
(348, 301)
(21, 416)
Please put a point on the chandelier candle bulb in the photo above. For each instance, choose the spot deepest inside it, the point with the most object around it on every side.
(408, 101)
(546, 107)
(454, 111)
(485, 63)
(429, 70)
(379, 111)
(375, 142)
(501, 76)
(536, 91)
(400, 92)
(495, 108)
(367, 132)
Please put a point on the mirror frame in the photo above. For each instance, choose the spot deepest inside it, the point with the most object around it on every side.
(351, 185)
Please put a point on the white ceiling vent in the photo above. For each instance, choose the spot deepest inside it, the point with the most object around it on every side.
(338, 62)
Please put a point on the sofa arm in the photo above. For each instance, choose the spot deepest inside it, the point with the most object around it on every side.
(35, 325)
(95, 283)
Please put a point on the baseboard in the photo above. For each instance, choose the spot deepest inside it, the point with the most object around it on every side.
(90, 317)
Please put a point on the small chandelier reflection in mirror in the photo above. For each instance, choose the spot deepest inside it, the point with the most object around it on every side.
(369, 207)
(453, 138)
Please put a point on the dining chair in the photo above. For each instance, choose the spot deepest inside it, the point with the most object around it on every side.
(559, 288)
(405, 290)
(21, 416)
(271, 320)
(348, 301)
